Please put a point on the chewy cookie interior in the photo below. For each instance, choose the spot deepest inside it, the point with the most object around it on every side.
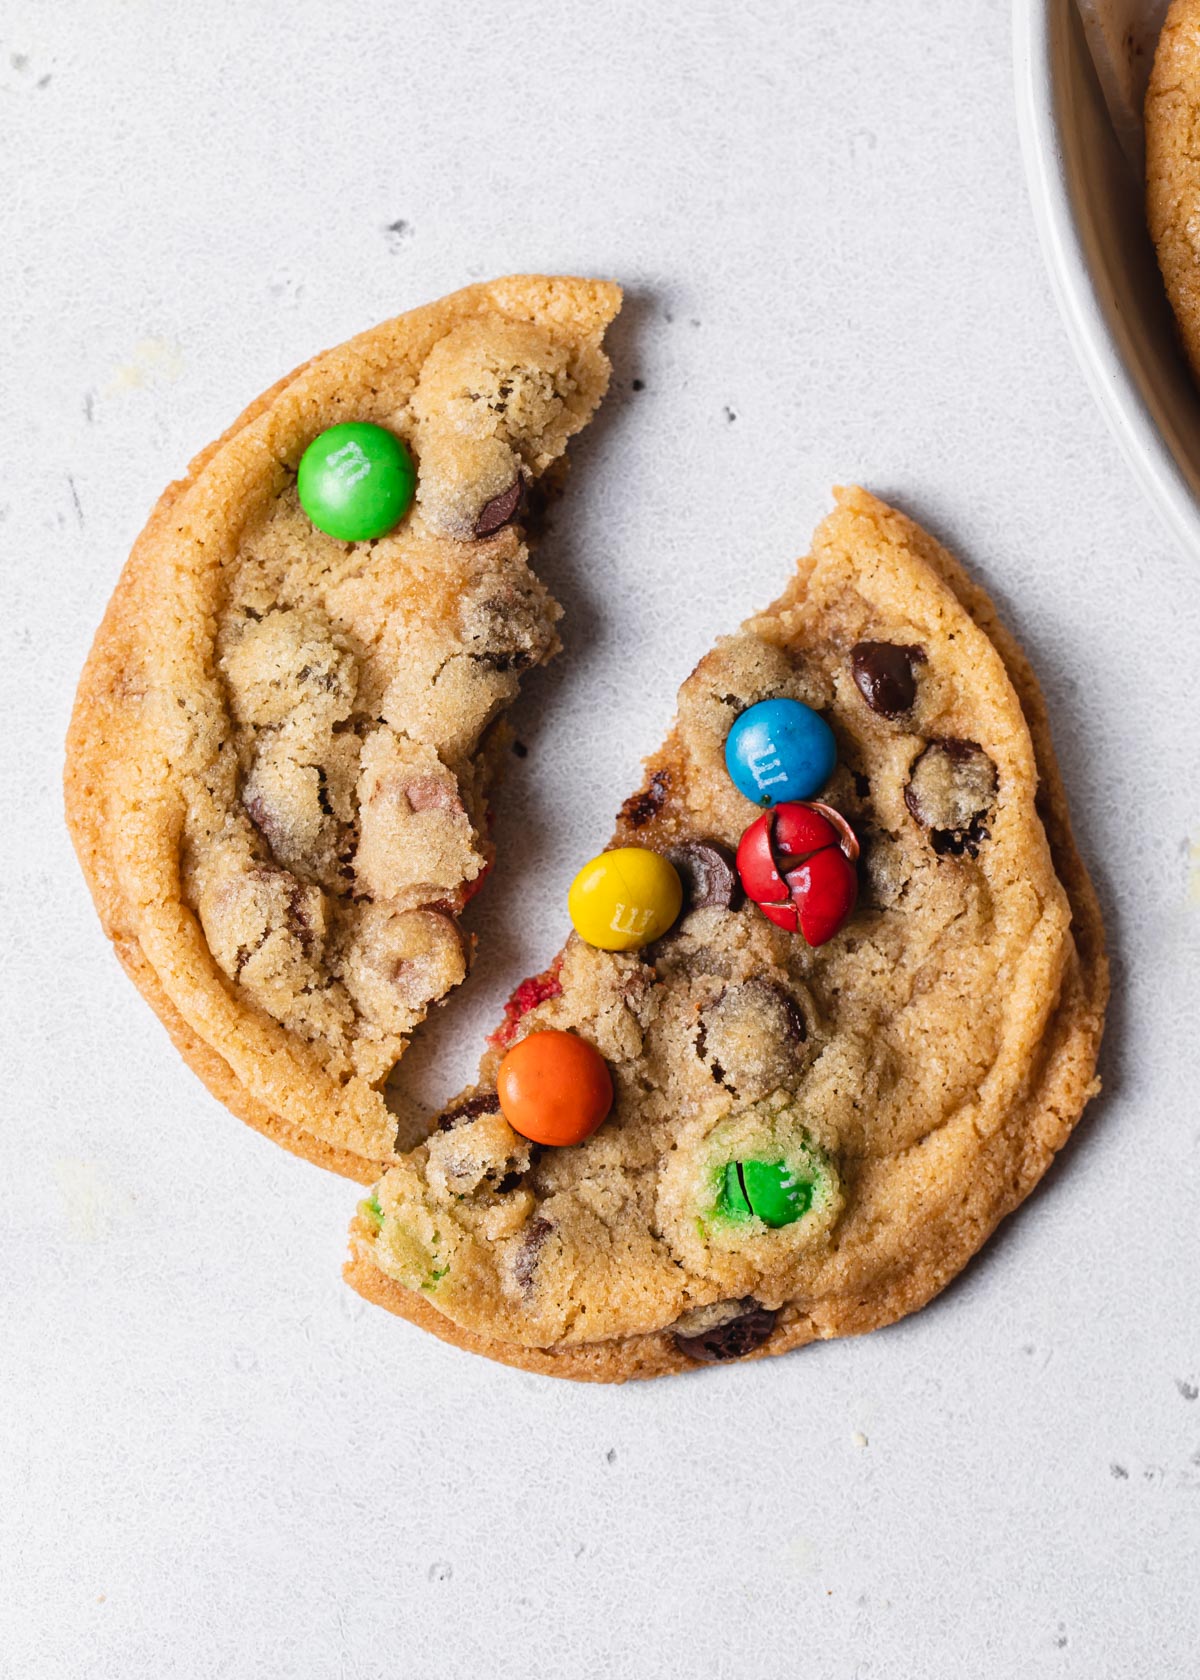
(914, 1075)
(279, 764)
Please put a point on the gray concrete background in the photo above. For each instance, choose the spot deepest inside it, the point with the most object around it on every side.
(216, 1461)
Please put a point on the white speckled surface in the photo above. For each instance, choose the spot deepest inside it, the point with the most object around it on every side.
(216, 1462)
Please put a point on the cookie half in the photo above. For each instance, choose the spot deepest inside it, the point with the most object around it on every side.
(279, 760)
(917, 1073)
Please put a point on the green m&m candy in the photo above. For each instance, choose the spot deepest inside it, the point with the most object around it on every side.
(768, 1190)
(732, 1200)
(356, 481)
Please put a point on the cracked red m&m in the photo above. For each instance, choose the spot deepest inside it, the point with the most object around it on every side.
(796, 863)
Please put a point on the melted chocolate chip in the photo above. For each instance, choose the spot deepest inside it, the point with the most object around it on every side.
(733, 1339)
(709, 875)
(520, 660)
(640, 807)
(795, 1020)
(499, 510)
(529, 1252)
(299, 919)
(951, 788)
(883, 672)
(484, 1102)
(256, 809)
(751, 1038)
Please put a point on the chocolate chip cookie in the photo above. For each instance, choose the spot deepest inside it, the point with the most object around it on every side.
(279, 761)
(805, 1140)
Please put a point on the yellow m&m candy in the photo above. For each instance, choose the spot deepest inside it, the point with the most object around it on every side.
(625, 898)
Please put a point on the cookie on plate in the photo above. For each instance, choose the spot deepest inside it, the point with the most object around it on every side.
(806, 1140)
(1173, 167)
(278, 765)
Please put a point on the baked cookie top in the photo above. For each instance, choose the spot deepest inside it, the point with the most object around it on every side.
(1173, 167)
(915, 1074)
(278, 765)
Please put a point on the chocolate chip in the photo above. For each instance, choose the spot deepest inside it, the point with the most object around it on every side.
(886, 870)
(731, 1337)
(709, 875)
(520, 660)
(640, 807)
(951, 788)
(483, 1102)
(883, 672)
(430, 793)
(299, 918)
(260, 815)
(529, 1252)
(751, 1037)
(499, 510)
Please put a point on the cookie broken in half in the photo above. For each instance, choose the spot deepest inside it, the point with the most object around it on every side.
(805, 1141)
(278, 765)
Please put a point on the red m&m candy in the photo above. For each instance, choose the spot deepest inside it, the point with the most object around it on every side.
(797, 864)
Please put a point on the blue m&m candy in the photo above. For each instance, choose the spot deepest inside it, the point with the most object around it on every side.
(780, 750)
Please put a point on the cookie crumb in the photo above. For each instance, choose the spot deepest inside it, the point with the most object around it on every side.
(859, 1439)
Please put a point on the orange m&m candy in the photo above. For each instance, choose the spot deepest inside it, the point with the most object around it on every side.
(554, 1088)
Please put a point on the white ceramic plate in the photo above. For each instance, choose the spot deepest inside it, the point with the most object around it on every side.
(1088, 206)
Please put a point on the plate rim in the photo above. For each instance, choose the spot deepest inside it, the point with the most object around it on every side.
(1093, 328)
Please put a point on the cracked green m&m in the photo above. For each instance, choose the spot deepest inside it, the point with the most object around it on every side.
(356, 481)
(767, 1190)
